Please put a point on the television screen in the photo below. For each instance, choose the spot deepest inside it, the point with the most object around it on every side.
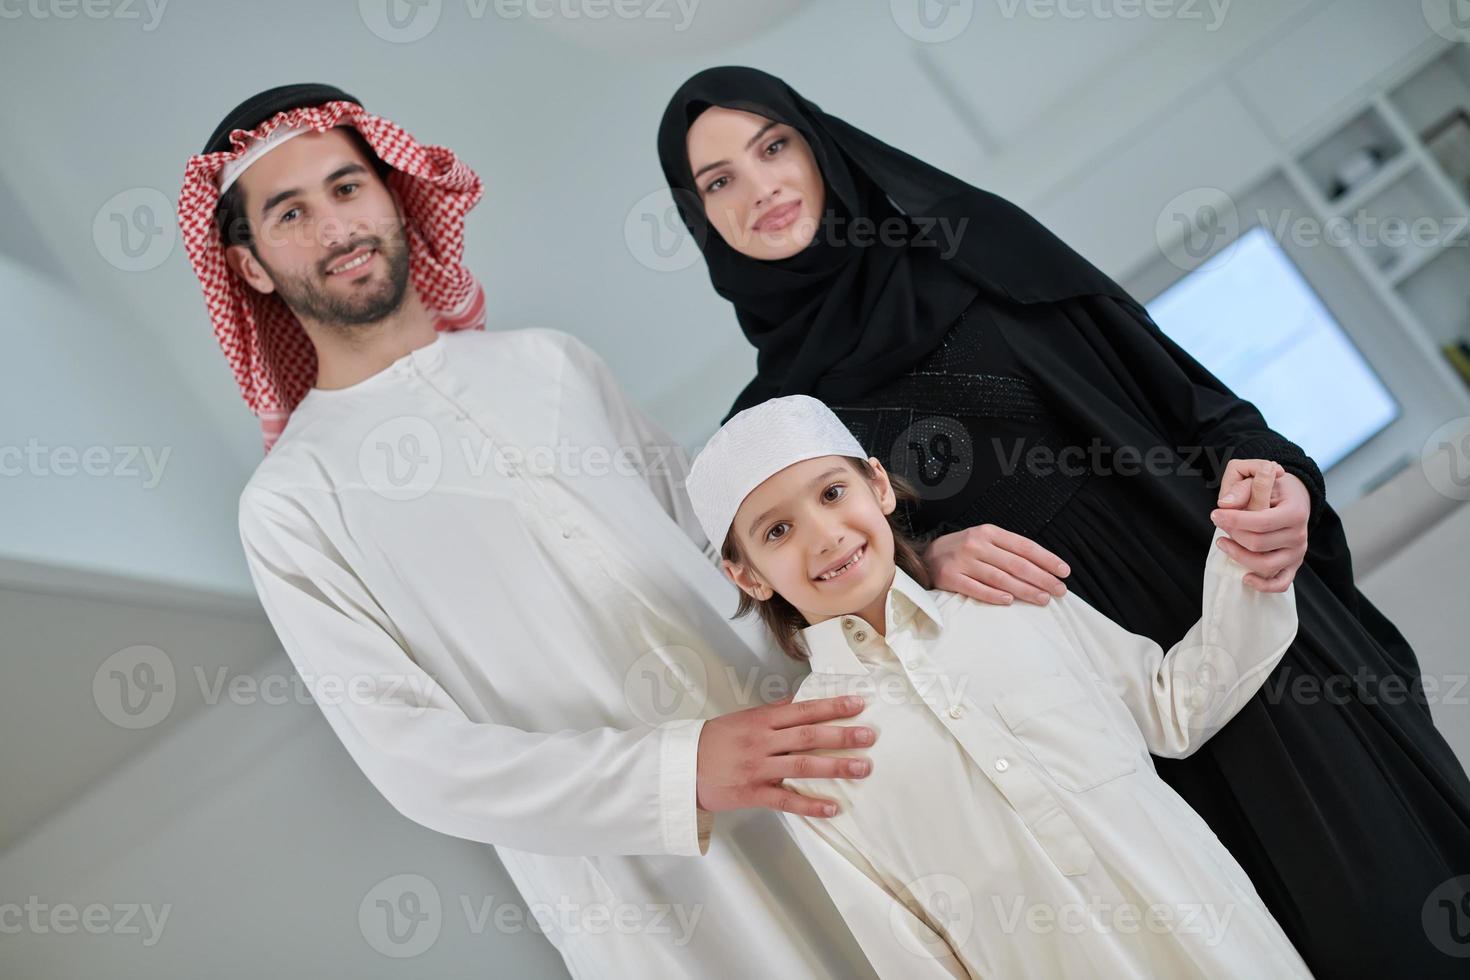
(1250, 318)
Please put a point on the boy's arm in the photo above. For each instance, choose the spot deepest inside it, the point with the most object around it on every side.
(1181, 697)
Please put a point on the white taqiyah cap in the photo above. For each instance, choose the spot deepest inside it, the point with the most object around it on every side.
(755, 445)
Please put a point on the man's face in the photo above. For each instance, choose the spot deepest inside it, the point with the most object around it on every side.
(327, 231)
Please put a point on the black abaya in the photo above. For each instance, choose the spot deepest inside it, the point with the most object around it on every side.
(1332, 788)
(1341, 801)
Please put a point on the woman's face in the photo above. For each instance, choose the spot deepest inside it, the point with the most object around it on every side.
(758, 181)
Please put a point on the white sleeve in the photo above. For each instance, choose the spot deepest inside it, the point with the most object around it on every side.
(665, 463)
(600, 791)
(897, 937)
(1180, 698)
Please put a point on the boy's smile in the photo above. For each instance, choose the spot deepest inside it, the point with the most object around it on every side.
(842, 569)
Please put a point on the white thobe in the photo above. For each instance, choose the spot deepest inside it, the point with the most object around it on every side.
(470, 559)
(1013, 824)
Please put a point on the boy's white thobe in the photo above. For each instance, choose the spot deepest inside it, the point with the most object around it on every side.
(470, 558)
(1013, 824)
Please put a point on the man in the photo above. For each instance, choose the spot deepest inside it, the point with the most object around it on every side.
(480, 555)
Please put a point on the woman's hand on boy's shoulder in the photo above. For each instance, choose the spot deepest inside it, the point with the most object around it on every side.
(990, 564)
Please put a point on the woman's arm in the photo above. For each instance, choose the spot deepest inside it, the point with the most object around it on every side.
(1199, 410)
(1197, 414)
(994, 565)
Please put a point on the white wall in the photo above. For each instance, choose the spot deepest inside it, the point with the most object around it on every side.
(108, 461)
(70, 710)
(1422, 589)
(246, 845)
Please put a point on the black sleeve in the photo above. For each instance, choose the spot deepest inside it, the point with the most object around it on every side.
(1199, 410)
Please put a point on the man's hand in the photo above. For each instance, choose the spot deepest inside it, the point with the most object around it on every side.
(993, 565)
(744, 755)
(1270, 542)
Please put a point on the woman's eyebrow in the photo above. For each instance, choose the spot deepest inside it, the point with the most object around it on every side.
(759, 133)
(748, 144)
(709, 166)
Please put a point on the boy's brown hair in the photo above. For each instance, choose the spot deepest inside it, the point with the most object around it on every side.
(782, 618)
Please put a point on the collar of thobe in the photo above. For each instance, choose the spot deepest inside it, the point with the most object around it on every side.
(425, 357)
(847, 644)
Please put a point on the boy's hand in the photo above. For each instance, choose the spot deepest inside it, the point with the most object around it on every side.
(1262, 482)
(1264, 511)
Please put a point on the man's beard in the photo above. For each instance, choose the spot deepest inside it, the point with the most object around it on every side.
(365, 304)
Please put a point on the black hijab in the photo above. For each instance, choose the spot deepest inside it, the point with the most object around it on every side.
(846, 314)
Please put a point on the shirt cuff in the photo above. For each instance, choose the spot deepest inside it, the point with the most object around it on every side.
(1225, 565)
(1294, 460)
(686, 828)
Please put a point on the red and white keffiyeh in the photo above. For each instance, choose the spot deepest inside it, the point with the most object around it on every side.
(273, 358)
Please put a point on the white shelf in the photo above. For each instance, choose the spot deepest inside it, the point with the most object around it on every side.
(1367, 130)
(1427, 284)
(1386, 175)
(1418, 258)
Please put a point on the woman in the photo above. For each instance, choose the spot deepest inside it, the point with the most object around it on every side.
(1053, 431)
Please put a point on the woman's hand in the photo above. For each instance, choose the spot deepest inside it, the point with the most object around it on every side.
(993, 565)
(1271, 543)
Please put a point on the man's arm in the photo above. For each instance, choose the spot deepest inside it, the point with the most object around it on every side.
(642, 790)
(665, 464)
(600, 791)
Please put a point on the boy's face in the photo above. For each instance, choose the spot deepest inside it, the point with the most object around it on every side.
(808, 521)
